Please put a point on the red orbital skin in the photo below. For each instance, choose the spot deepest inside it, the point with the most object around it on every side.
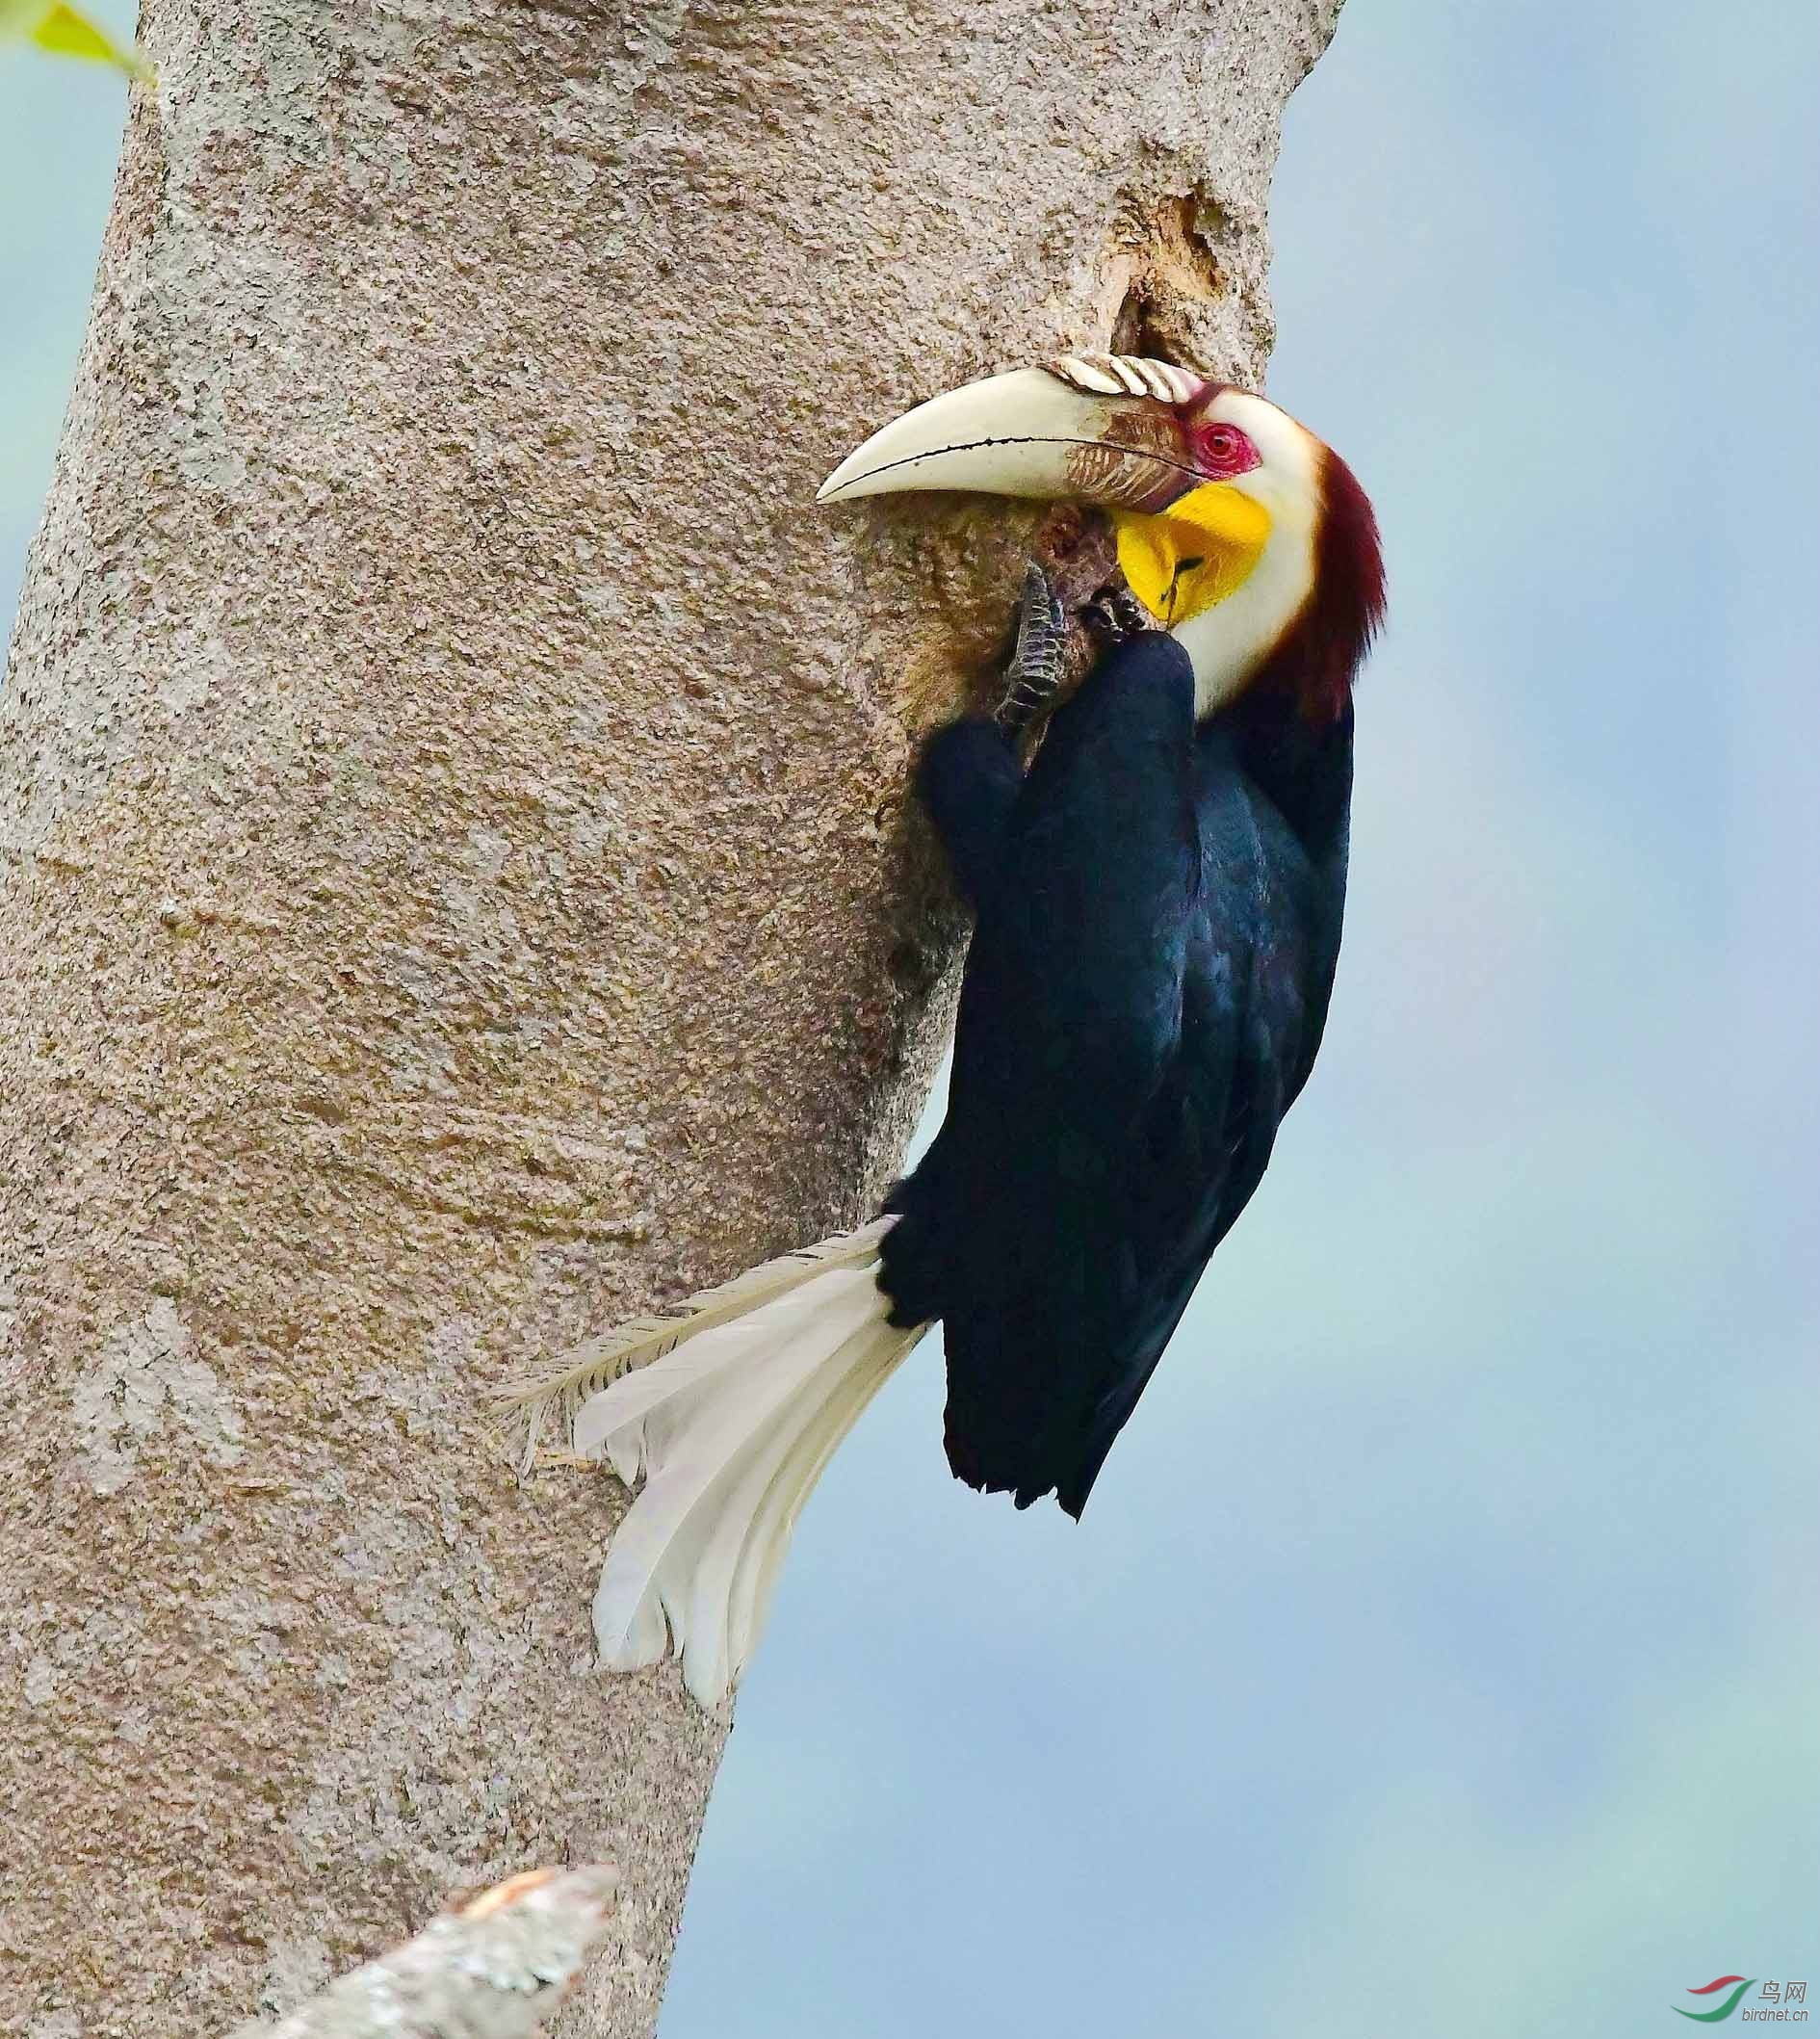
(1222, 450)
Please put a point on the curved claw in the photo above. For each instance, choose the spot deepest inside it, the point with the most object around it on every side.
(1115, 614)
(1035, 671)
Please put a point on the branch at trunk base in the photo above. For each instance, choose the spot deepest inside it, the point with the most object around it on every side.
(496, 1969)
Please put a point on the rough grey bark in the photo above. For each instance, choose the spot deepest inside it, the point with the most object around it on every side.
(458, 884)
(496, 1968)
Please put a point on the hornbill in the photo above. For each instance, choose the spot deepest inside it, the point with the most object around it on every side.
(1156, 896)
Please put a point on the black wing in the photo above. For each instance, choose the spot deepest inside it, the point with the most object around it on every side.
(1141, 1001)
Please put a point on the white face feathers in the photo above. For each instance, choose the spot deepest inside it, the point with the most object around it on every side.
(1227, 640)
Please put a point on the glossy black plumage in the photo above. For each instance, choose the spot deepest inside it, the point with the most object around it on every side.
(1159, 913)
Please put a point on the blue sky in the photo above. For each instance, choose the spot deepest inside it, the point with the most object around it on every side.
(1438, 1654)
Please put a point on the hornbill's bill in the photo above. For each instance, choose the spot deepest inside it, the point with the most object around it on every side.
(1157, 900)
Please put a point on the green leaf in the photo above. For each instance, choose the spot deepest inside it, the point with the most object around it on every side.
(61, 30)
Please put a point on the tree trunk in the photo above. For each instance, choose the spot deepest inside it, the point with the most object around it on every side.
(459, 886)
(498, 1967)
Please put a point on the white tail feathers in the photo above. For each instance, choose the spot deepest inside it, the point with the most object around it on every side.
(731, 1423)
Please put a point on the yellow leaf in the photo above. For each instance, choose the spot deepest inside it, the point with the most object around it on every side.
(69, 33)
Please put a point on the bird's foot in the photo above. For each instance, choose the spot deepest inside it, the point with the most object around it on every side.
(1114, 614)
(1038, 658)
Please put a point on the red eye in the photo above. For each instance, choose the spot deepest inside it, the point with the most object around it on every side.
(1224, 450)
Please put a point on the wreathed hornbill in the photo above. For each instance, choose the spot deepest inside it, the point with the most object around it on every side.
(1157, 898)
